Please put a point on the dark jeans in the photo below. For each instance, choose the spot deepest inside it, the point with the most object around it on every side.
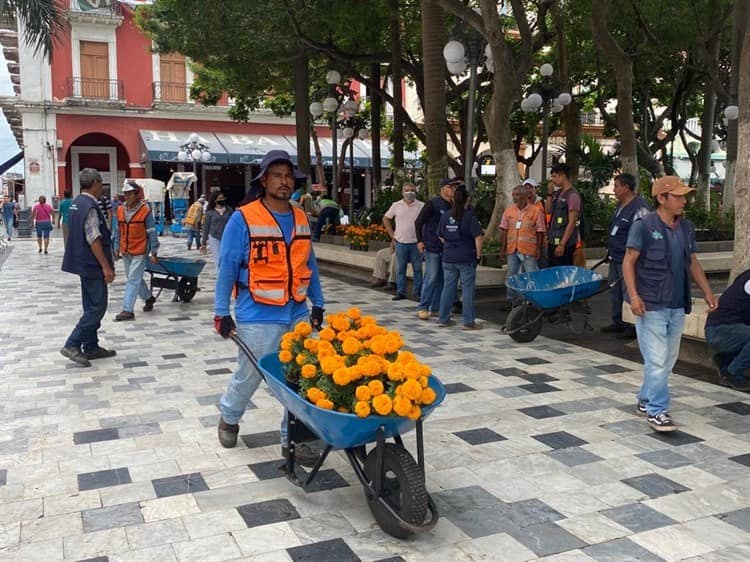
(329, 215)
(616, 293)
(732, 340)
(565, 259)
(94, 299)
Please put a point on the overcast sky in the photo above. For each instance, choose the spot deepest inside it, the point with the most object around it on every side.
(8, 144)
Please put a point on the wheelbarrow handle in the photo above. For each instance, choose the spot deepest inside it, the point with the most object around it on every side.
(600, 262)
(249, 353)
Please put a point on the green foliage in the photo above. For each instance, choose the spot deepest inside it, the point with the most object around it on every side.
(598, 164)
(41, 22)
(386, 198)
(714, 224)
(281, 104)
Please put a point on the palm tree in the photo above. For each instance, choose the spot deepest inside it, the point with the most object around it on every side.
(41, 21)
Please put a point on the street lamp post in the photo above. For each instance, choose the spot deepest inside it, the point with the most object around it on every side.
(549, 100)
(194, 150)
(330, 105)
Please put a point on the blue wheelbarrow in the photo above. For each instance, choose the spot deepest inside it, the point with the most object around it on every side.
(549, 292)
(393, 481)
(179, 274)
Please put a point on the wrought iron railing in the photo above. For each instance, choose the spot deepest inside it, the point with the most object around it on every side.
(170, 92)
(95, 88)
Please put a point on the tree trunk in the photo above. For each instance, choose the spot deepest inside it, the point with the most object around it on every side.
(741, 260)
(302, 111)
(396, 76)
(376, 106)
(570, 114)
(320, 171)
(433, 40)
(622, 67)
(703, 194)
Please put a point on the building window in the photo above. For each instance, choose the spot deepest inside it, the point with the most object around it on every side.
(95, 81)
(172, 85)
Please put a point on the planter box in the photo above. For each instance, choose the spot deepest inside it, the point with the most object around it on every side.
(379, 245)
(491, 260)
(333, 239)
(359, 247)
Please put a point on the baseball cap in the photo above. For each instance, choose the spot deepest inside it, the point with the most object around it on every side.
(274, 157)
(450, 181)
(531, 182)
(670, 184)
(130, 186)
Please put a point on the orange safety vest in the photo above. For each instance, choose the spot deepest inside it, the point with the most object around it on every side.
(277, 271)
(133, 235)
(522, 239)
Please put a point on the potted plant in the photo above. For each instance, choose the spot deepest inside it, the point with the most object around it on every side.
(358, 238)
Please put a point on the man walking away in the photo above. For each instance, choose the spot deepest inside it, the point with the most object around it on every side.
(728, 333)
(659, 263)
(404, 239)
(10, 212)
(64, 216)
(630, 208)
(565, 208)
(522, 231)
(267, 255)
(134, 238)
(431, 246)
(193, 221)
(88, 254)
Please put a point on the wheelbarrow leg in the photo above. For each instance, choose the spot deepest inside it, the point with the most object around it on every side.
(317, 466)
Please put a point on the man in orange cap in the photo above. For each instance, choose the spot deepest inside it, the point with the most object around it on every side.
(659, 264)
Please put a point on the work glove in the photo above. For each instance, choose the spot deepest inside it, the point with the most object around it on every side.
(224, 326)
(316, 317)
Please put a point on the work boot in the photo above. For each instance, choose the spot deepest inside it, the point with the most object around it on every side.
(628, 333)
(303, 454)
(149, 306)
(99, 353)
(75, 355)
(124, 315)
(228, 433)
(378, 283)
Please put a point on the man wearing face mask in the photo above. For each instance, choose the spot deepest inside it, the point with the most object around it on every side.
(404, 239)
(214, 221)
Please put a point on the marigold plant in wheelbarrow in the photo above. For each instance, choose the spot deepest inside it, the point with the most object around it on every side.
(356, 366)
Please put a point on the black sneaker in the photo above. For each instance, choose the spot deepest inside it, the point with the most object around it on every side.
(640, 408)
(628, 333)
(99, 353)
(75, 355)
(661, 422)
(612, 329)
(228, 433)
(399, 297)
(149, 306)
(124, 316)
(303, 454)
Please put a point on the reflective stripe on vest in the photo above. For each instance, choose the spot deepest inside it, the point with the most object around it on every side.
(277, 271)
(133, 234)
(523, 240)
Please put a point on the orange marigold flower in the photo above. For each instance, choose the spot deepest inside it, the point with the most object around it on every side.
(406, 357)
(363, 393)
(354, 313)
(411, 389)
(285, 345)
(378, 345)
(415, 412)
(341, 376)
(342, 410)
(367, 321)
(351, 346)
(426, 370)
(376, 387)
(382, 404)
(285, 356)
(427, 396)
(362, 409)
(402, 406)
(356, 372)
(326, 334)
(300, 359)
(308, 371)
(395, 371)
(303, 329)
(340, 323)
(424, 381)
(412, 370)
(324, 403)
(313, 394)
(328, 364)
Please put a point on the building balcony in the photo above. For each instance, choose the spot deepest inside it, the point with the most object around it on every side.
(96, 89)
(103, 12)
(170, 92)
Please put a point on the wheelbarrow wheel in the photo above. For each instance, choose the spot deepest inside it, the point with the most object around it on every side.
(403, 490)
(523, 323)
(186, 288)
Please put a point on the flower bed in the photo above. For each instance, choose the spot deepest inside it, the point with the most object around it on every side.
(356, 366)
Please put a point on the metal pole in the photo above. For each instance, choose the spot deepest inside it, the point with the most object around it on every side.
(545, 134)
(334, 151)
(469, 139)
(195, 173)
(351, 181)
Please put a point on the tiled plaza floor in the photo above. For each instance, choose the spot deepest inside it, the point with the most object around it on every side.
(535, 454)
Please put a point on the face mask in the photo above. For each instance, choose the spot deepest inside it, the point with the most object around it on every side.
(410, 195)
(220, 202)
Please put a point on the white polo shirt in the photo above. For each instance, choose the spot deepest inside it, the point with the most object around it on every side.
(405, 215)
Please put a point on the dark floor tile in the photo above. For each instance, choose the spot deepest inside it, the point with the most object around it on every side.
(655, 485)
(95, 435)
(666, 458)
(539, 388)
(620, 550)
(176, 485)
(267, 512)
(208, 400)
(103, 479)
(133, 364)
(268, 470)
(173, 356)
(391, 559)
(479, 436)
(675, 438)
(541, 412)
(739, 518)
(574, 456)
(613, 368)
(538, 378)
(325, 551)
(559, 440)
(324, 480)
(97, 559)
(219, 371)
(3, 476)
(510, 372)
(263, 439)
(42, 411)
(179, 318)
(168, 389)
(740, 408)
(546, 539)
(532, 361)
(474, 510)
(638, 517)
(531, 512)
(456, 387)
(742, 459)
(141, 380)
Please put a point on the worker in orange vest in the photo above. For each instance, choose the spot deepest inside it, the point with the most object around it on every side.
(133, 239)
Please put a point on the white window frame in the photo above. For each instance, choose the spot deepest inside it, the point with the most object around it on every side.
(92, 32)
(75, 167)
(156, 70)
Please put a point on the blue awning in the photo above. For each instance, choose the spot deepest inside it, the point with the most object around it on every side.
(251, 148)
(163, 146)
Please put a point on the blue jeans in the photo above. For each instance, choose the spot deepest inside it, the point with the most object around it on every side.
(432, 283)
(327, 215)
(659, 333)
(8, 221)
(467, 272)
(408, 254)
(94, 299)
(517, 262)
(134, 284)
(733, 340)
(261, 339)
(193, 235)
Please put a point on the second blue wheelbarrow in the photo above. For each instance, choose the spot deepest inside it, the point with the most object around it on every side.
(394, 482)
(179, 274)
(549, 292)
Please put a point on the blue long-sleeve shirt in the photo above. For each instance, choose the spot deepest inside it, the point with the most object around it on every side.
(153, 237)
(235, 250)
